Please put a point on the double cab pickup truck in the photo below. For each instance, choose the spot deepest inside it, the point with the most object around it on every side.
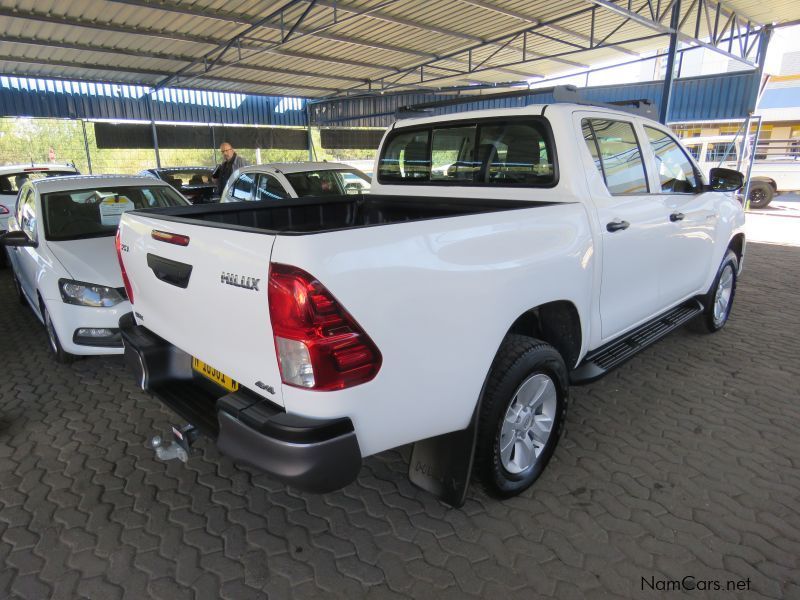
(502, 256)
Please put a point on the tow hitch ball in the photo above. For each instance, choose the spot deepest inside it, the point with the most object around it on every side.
(183, 438)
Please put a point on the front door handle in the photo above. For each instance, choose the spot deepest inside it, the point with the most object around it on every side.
(676, 216)
(617, 225)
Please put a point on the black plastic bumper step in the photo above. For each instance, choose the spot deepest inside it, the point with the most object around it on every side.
(599, 362)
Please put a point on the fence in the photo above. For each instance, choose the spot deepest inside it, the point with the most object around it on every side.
(104, 148)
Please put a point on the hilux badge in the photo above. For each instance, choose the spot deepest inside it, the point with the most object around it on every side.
(249, 283)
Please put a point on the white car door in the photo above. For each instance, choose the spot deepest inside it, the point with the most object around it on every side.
(634, 224)
(692, 214)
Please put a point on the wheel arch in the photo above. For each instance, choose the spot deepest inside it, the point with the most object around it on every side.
(737, 245)
(763, 179)
(558, 323)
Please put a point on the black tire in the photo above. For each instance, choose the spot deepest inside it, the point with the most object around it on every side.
(17, 287)
(61, 355)
(519, 360)
(715, 320)
(760, 194)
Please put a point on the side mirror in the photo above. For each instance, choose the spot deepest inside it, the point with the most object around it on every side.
(725, 180)
(16, 239)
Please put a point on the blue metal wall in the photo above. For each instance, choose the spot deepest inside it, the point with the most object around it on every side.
(24, 97)
(716, 97)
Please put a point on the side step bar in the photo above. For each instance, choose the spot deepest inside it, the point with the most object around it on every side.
(599, 362)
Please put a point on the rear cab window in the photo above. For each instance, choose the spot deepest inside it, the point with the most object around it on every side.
(617, 155)
(516, 152)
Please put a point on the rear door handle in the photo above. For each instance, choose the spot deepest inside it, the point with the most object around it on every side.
(676, 216)
(617, 225)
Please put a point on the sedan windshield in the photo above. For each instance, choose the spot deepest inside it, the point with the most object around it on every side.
(329, 183)
(88, 213)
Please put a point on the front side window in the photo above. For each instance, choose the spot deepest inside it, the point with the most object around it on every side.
(675, 171)
(26, 216)
(95, 212)
(495, 152)
(269, 188)
(720, 152)
(616, 153)
(243, 188)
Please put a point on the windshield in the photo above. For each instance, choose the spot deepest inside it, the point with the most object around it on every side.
(179, 179)
(11, 182)
(89, 213)
(329, 183)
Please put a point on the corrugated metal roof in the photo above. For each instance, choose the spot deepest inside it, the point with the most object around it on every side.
(332, 47)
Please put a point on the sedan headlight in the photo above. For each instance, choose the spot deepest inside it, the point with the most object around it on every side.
(88, 294)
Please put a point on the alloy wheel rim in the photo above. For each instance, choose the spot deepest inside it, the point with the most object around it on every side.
(528, 423)
(722, 298)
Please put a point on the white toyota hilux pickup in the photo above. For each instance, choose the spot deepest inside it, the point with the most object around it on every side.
(501, 256)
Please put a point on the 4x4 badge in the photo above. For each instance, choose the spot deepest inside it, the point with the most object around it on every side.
(249, 283)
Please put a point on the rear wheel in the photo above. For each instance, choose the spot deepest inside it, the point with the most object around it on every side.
(522, 415)
(760, 195)
(60, 354)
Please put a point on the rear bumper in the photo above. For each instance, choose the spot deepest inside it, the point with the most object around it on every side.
(313, 455)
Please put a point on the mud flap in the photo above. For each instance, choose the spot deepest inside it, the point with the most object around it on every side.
(442, 465)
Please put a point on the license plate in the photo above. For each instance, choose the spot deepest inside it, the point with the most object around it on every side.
(214, 375)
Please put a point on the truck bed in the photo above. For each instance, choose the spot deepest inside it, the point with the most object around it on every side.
(332, 213)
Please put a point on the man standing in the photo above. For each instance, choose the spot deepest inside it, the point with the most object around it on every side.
(231, 162)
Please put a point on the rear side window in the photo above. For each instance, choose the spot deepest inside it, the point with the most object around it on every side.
(269, 188)
(515, 152)
(616, 153)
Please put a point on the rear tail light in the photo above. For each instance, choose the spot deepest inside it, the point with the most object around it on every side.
(125, 281)
(319, 345)
(3, 210)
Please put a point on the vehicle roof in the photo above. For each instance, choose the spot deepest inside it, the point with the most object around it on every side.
(530, 110)
(78, 182)
(6, 169)
(297, 167)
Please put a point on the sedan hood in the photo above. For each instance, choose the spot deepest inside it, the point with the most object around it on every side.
(93, 260)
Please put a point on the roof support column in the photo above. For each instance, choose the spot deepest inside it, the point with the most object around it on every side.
(669, 75)
(153, 126)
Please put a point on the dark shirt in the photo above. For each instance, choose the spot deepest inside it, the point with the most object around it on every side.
(226, 169)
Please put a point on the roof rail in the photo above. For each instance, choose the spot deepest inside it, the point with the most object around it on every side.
(561, 93)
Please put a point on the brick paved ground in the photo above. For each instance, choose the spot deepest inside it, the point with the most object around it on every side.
(683, 462)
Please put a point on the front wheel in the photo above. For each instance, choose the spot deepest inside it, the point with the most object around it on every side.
(719, 299)
(522, 415)
(60, 354)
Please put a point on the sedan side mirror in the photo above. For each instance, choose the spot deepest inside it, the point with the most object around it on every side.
(16, 239)
(725, 180)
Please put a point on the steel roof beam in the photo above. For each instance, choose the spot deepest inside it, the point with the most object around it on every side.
(535, 20)
(174, 57)
(655, 25)
(151, 72)
(316, 32)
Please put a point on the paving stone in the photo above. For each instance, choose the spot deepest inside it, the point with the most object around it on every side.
(681, 462)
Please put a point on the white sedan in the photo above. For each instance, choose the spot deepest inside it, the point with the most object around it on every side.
(60, 242)
(277, 181)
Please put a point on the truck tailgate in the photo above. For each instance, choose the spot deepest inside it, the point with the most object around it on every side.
(208, 297)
